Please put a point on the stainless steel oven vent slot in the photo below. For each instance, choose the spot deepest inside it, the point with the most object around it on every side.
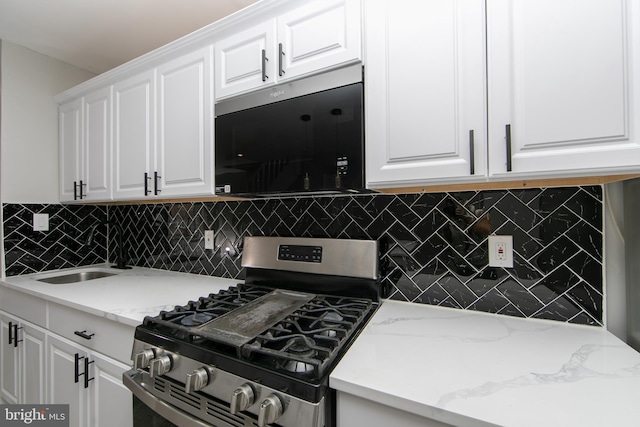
(160, 385)
(202, 406)
(182, 396)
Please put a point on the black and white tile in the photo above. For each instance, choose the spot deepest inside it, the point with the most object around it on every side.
(63, 246)
(433, 245)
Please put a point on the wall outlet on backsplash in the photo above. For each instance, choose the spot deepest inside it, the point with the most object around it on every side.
(500, 251)
(40, 222)
(208, 239)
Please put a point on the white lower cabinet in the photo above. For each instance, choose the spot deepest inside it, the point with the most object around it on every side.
(22, 353)
(90, 383)
(356, 411)
(68, 357)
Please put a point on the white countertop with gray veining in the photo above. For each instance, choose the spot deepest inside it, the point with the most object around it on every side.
(472, 369)
(126, 297)
(456, 366)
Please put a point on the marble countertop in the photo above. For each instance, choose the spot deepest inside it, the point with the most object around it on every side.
(126, 297)
(468, 368)
(459, 367)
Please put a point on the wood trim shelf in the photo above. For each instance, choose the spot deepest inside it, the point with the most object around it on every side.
(477, 186)
(510, 185)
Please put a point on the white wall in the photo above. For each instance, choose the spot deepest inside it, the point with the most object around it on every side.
(614, 260)
(29, 126)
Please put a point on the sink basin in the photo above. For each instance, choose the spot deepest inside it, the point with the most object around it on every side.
(80, 276)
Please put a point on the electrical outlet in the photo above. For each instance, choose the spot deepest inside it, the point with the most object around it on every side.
(40, 222)
(500, 251)
(208, 239)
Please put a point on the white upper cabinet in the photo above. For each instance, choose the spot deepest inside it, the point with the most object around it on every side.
(563, 79)
(70, 147)
(85, 147)
(245, 60)
(184, 156)
(559, 98)
(96, 156)
(162, 134)
(425, 91)
(316, 36)
(133, 136)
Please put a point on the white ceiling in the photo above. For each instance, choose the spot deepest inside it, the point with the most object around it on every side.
(97, 35)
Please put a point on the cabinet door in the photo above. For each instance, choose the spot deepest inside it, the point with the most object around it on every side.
(184, 139)
(561, 75)
(96, 156)
(32, 364)
(319, 35)
(70, 140)
(133, 136)
(425, 85)
(63, 389)
(9, 363)
(111, 402)
(356, 411)
(239, 63)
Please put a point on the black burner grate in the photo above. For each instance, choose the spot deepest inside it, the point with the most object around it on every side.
(304, 344)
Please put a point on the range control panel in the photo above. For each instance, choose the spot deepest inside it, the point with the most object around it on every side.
(300, 253)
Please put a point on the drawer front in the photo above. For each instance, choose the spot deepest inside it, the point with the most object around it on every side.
(110, 338)
(24, 306)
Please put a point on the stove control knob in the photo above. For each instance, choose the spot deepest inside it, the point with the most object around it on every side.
(271, 409)
(242, 398)
(197, 380)
(160, 365)
(143, 359)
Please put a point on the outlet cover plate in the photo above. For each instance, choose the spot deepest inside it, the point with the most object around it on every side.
(40, 222)
(500, 251)
(208, 239)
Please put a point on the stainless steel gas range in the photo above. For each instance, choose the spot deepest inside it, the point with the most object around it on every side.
(260, 353)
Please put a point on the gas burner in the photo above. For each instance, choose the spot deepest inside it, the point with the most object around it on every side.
(195, 319)
(330, 321)
(299, 347)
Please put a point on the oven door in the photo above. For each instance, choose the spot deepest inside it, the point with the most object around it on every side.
(143, 416)
(149, 411)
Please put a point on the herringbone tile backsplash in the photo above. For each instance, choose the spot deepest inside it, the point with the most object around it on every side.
(433, 244)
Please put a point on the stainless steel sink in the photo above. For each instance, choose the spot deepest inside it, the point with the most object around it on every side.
(79, 276)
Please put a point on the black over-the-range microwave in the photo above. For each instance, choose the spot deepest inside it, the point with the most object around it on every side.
(303, 137)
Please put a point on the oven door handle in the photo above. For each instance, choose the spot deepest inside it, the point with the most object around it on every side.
(132, 380)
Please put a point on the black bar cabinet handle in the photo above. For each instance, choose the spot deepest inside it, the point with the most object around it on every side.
(508, 132)
(10, 332)
(86, 372)
(264, 65)
(15, 334)
(84, 334)
(75, 190)
(146, 184)
(81, 185)
(76, 377)
(280, 61)
(155, 183)
(472, 153)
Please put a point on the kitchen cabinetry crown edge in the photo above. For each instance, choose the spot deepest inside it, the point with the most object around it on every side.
(257, 12)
